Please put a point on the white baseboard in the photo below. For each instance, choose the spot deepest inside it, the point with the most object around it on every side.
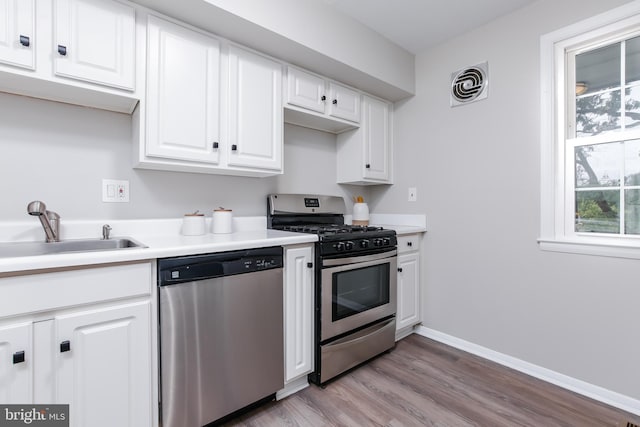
(292, 387)
(595, 392)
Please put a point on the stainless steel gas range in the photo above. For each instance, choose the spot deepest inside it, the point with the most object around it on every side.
(355, 275)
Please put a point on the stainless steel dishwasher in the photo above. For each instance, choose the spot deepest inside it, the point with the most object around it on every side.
(221, 334)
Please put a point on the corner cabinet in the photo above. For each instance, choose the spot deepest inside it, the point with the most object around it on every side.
(408, 314)
(80, 337)
(298, 317)
(210, 107)
(364, 155)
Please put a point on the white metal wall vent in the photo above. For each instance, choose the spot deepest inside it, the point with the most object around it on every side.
(469, 84)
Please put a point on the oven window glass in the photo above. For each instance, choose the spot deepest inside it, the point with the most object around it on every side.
(358, 290)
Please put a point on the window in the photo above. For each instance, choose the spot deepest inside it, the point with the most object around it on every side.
(590, 76)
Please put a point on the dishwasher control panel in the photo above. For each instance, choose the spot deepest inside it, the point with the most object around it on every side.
(208, 266)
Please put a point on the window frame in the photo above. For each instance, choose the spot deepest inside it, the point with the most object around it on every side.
(557, 224)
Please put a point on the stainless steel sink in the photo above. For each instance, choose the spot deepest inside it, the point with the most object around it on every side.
(18, 249)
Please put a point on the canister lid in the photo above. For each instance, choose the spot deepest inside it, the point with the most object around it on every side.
(221, 209)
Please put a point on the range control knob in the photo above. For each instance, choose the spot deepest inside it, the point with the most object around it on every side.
(377, 242)
(364, 243)
(348, 246)
(340, 246)
(386, 242)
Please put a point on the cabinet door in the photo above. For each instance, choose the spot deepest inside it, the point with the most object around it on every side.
(94, 41)
(344, 103)
(103, 366)
(183, 93)
(16, 363)
(255, 111)
(298, 312)
(408, 290)
(305, 90)
(376, 139)
(17, 35)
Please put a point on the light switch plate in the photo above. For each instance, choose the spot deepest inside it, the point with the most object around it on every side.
(413, 194)
(115, 191)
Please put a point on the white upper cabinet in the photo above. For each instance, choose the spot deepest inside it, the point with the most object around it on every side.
(79, 52)
(306, 90)
(377, 139)
(95, 41)
(17, 33)
(255, 110)
(365, 155)
(183, 93)
(318, 103)
(210, 107)
(344, 102)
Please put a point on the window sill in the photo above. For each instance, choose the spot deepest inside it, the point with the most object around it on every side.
(596, 247)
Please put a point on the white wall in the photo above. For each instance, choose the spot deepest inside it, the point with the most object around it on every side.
(59, 153)
(477, 171)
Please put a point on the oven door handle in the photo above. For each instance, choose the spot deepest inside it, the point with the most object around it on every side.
(360, 336)
(358, 259)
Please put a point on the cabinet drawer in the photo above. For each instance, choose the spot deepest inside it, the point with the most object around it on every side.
(408, 243)
(33, 293)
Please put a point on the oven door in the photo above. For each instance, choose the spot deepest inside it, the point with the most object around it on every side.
(357, 291)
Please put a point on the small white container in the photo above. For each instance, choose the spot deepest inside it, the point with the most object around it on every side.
(360, 214)
(193, 225)
(222, 221)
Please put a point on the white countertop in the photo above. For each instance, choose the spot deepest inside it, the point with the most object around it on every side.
(163, 239)
(166, 243)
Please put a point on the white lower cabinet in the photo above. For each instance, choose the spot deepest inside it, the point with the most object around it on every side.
(95, 357)
(298, 317)
(408, 314)
(16, 364)
(102, 365)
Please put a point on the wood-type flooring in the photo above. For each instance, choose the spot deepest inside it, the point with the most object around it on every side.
(425, 383)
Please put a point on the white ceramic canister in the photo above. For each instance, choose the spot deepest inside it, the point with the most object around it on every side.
(193, 224)
(222, 220)
(360, 214)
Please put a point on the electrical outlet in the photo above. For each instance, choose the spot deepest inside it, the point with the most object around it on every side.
(115, 191)
(413, 194)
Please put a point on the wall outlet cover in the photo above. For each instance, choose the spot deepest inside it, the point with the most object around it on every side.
(115, 191)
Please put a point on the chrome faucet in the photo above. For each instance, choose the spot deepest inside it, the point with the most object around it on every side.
(50, 220)
(106, 229)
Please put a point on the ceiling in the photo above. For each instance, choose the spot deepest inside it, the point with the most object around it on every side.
(417, 25)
